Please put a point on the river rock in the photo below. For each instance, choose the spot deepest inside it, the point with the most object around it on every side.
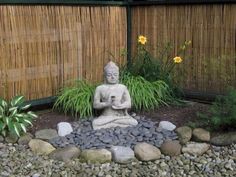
(1, 139)
(65, 154)
(195, 148)
(96, 155)
(166, 125)
(25, 139)
(11, 138)
(146, 152)
(224, 139)
(201, 135)
(46, 134)
(64, 128)
(40, 147)
(184, 134)
(171, 148)
(121, 154)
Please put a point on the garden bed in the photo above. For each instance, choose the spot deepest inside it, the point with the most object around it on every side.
(178, 115)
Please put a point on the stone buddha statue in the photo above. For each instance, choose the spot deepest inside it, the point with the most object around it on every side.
(114, 100)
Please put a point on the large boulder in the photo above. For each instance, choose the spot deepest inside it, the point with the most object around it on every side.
(96, 155)
(41, 147)
(46, 134)
(64, 128)
(201, 135)
(146, 152)
(171, 148)
(195, 148)
(65, 154)
(122, 154)
(166, 125)
(224, 139)
(184, 134)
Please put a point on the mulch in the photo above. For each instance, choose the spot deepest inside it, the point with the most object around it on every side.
(178, 115)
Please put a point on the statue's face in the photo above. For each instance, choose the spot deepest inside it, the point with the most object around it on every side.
(112, 76)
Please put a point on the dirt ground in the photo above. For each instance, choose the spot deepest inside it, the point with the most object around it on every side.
(178, 115)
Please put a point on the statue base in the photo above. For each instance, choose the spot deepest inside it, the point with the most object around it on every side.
(113, 121)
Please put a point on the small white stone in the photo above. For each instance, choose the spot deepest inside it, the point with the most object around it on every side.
(64, 128)
(166, 125)
(36, 175)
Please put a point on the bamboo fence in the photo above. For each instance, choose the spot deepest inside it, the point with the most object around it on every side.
(44, 47)
(210, 62)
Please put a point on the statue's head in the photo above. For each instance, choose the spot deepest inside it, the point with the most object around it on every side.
(111, 72)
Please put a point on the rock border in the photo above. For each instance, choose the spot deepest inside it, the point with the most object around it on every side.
(191, 141)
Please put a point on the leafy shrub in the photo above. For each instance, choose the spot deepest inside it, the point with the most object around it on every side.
(76, 100)
(13, 118)
(159, 67)
(146, 94)
(222, 113)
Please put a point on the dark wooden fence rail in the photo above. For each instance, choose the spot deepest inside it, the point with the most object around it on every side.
(43, 47)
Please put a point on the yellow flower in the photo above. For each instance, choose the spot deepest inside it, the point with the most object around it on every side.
(177, 59)
(188, 42)
(142, 40)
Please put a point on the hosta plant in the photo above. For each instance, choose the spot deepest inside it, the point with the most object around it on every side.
(14, 119)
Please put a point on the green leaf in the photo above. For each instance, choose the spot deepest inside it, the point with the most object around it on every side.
(16, 130)
(23, 127)
(25, 107)
(6, 120)
(17, 119)
(17, 100)
(19, 115)
(13, 108)
(28, 121)
(3, 103)
(30, 113)
(14, 113)
(1, 110)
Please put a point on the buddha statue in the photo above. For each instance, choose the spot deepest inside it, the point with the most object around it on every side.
(114, 100)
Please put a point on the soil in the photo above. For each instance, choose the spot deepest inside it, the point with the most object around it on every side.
(178, 115)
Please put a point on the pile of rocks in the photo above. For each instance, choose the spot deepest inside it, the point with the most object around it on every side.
(157, 150)
(121, 145)
(86, 138)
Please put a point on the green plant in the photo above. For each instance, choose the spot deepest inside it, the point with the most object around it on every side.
(222, 113)
(160, 67)
(146, 94)
(13, 118)
(77, 99)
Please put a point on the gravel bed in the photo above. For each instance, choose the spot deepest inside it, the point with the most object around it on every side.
(86, 138)
(19, 161)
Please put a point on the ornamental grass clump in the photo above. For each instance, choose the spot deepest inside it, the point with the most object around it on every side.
(76, 100)
(13, 116)
(146, 95)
